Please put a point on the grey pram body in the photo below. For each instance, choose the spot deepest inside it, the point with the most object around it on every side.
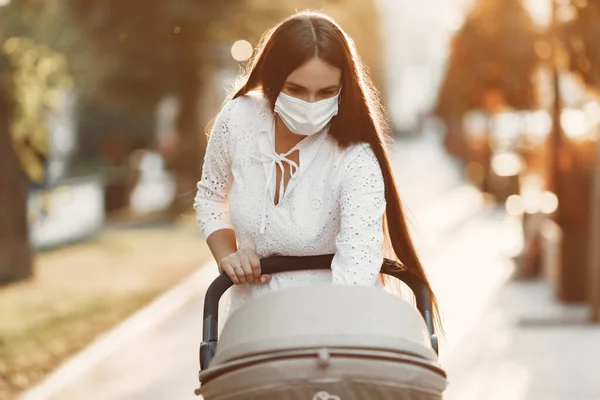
(322, 342)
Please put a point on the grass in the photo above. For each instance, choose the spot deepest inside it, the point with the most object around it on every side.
(83, 290)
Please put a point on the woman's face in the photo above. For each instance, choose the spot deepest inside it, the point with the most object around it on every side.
(313, 81)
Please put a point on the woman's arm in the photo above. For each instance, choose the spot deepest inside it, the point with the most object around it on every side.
(212, 205)
(359, 245)
(212, 198)
(222, 243)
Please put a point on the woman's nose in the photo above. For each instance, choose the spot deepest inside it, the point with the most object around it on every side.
(312, 98)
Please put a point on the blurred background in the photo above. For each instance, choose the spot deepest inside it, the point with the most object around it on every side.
(103, 112)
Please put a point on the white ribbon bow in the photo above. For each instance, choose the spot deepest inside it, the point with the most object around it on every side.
(279, 160)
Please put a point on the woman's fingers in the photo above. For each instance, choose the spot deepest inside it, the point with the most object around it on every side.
(239, 272)
(243, 266)
(254, 264)
(232, 266)
(247, 268)
(229, 270)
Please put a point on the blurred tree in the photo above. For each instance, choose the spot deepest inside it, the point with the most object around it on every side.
(492, 57)
(15, 252)
(581, 38)
(31, 73)
(577, 27)
(148, 50)
(108, 135)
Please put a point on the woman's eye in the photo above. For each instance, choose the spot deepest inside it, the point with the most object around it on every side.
(294, 90)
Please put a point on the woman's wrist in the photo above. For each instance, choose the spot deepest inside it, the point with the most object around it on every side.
(222, 243)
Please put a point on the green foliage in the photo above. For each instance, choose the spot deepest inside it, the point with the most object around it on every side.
(36, 77)
(32, 76)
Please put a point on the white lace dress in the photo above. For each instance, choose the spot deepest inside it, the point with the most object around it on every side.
(333, 204)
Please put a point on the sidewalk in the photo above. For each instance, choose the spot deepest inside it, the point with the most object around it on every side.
(508, 340)
(423, 170)
(526, 346)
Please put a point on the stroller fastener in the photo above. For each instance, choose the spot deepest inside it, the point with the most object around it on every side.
(323, 358)
(325, 396)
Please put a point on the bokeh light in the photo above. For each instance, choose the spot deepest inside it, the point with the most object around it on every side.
(548, 202)
(241, 50)
(538, 125)
(507, 164)
(514, 205)
(575, 123)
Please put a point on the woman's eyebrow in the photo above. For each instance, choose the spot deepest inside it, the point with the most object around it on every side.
(295, 85)
(332, 87)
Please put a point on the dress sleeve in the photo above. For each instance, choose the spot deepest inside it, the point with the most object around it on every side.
(359, 244)
(212, 198)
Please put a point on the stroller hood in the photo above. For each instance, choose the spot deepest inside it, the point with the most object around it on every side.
(330, 316)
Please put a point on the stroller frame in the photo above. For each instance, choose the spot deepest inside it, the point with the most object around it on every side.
(278, 264)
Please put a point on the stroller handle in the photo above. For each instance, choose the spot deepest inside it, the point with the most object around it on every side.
(277, 264)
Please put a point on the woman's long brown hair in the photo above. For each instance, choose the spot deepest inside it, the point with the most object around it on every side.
(361, 117)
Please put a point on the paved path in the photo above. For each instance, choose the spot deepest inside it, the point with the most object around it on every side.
(526, 346)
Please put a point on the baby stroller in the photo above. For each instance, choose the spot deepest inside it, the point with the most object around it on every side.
(323, 342)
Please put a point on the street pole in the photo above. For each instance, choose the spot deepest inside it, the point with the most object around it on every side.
(594, 265)
(555, 136)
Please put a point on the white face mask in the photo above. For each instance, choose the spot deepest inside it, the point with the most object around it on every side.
(304, 118)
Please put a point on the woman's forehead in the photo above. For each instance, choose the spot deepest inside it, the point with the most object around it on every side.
(315, 74)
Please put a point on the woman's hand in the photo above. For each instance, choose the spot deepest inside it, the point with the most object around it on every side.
(243, 266)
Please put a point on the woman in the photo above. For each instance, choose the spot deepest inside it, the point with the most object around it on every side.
(296, 165)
